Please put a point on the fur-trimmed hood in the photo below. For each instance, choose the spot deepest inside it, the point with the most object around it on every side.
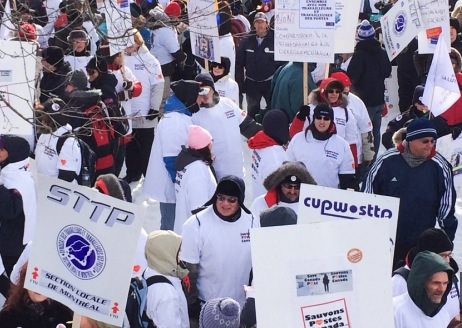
(286, 169)
(316, 97)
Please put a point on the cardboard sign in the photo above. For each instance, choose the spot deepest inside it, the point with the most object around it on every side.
(329, 274)
(83, 249)
(205, 41)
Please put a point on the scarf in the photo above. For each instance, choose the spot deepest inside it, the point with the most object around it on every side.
(412, 160)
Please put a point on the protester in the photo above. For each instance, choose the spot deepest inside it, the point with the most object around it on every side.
(283, 188)
(166, 303)
(77, 54)
(195, 180)
(224, 83)
(428, 285)
(55, 69)
(216, 246)
(415, 166)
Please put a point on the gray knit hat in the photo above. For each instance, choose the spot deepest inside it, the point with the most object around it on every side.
(278, 216)
(220, 312)
(78, 79)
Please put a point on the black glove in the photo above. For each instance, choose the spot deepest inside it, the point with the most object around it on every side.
(152, 114)
(303, 112)
(456, 131)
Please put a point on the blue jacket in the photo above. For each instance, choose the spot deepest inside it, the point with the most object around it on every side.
(426, 193)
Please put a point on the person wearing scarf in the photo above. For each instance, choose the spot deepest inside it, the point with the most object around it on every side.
(423, 181)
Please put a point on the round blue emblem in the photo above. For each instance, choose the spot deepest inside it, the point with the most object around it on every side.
(400, 23)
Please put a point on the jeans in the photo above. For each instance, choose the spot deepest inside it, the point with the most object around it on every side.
(375, 114)
(167, 216)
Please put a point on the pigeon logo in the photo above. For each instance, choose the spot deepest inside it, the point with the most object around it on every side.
(81, 252)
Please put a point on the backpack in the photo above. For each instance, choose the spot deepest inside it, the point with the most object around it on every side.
(87, 176)
(135, 309)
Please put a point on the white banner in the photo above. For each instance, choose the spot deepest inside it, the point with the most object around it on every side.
(346, 20)
(319, 204)
(441, 88)
(83, 249)
(304, 31)
(205, 41)
(435, 17)
(119, 24)
(319, 275)
(400, 25)
(17, 87)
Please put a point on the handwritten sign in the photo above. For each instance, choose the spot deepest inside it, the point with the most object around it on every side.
(305, 33)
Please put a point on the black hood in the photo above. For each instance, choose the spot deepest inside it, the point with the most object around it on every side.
(186, 157)
(230, 180)
(18, 148)
(369, 45)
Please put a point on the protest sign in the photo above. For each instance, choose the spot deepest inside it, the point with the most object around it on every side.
(17, 87)
(320, 275)
(304, 31)
(435, 17)
(205, 41)
(346, 13)
(119, 24)
(319, 204)
(83, 249)
(400, 25)
(441, 88)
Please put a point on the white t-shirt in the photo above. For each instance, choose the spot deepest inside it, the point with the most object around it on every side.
(265, 161)
(164, 43)
(77, 62)
(227, 87)
(324, 159)
(222, 121)
(47, 160)
(408, 315)
(194, 186)
(171, 134)
(222, 250)
(166, 305)
(363, 121)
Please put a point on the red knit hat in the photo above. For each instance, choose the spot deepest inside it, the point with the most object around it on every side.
(342, 77)
(27, 32)
(173, 9)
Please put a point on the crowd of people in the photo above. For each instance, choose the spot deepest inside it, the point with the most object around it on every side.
(179, 125)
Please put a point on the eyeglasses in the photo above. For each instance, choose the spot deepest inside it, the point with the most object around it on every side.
(229, 199)
(334, 91)
(322, 118)
(220, 66)
(290, 186)
(91, 71)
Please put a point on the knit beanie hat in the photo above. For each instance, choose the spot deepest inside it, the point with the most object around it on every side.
(324, 110)
(173, 9)
(434, 240)
(278, 216)
(454, 22)
(220, 312)
(198, 137)
(187, 91)
(342, 77)
(54, 108)
(97, 63)
(365, 30)
(53, 55)
(420, 128)
(206, 80)
(230, 185)
(17, 147)
(161, 251)
(78, 79)
(418, 93)
(275, 125)
(111, 185)
(27, 32)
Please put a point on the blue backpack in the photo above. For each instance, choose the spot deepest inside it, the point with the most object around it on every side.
(137, 299)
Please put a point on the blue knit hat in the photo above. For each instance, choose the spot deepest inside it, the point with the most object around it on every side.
(420, 128)
(365, 30)
(220, 312)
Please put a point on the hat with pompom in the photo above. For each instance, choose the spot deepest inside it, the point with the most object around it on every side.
(365, 30)
(220, 312)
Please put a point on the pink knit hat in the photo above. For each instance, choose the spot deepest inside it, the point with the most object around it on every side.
(198, 137)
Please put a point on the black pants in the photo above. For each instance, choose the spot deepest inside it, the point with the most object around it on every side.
(138, 151)
(254, 92)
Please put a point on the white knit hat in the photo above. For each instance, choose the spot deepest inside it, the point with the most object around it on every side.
(365, 30)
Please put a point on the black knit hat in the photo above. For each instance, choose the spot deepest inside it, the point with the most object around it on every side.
(187, 91)
(230, 185)
(278, 216)
(111, 185)
(275, 125)
(418, 93)
(53, 55)
(206, 80)
(97, 63)
(324, 110)
(434, 240)
(18, 148)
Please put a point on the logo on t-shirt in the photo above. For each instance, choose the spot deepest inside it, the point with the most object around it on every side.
(245, 237)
